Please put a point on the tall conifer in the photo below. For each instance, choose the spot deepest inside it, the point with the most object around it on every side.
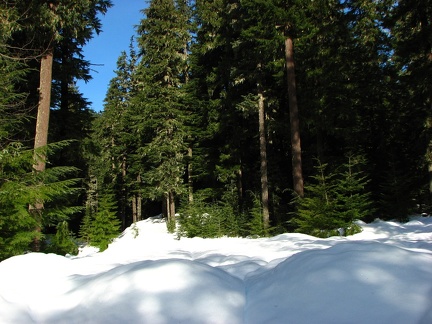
(161, 75)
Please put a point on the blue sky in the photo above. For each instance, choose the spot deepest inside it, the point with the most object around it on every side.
(118, 25)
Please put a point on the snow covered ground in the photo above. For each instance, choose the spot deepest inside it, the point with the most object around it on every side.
(382, 275)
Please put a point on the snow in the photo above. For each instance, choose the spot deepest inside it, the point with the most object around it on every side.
(381, 275)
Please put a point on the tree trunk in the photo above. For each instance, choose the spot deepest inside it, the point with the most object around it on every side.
(139, 207)
(189, 176)
(263, 159)
(165, 204)
(139, 199)
(429, 161)
(134, 209)
(42, 121)
(240, 184)
(171, 206)
(41, 135)
(124, 193)
(168, 207)
(294, 119)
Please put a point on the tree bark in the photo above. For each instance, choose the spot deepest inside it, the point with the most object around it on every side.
(263, 159)
(124, 192)
(134, 209)
(42, 121)
(41, 135)
(139, 206)
(168, 207)
(171, 206)
(429, 161)
(190, 175)
(294, 119)
(139, 199)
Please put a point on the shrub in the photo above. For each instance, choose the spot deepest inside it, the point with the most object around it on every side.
(333, 201)
(100, 228)
(63, 242)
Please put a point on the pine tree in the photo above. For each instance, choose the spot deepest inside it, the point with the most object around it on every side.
(334, 201)
(63, 242)
(45, 25)
(352, 195)
(85, 231)
(409, 24)
(105, 226)
(315, 212)
(19, 186)
(118, 167)
(13, 72)
(163, 36)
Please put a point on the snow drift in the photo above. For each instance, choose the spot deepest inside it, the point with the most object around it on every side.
(382, 275)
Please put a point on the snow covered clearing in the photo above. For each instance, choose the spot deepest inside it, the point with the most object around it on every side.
(382, 275)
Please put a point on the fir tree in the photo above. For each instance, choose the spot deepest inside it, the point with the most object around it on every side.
(105, 226)
(63, 241)
(114, 165)
(19, 187)
(163, 37)
(334, 201)
(315, 212)
(352, 195)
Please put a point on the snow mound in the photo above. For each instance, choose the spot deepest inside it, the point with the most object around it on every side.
(381, 275)
(349, 283)
(167, 291)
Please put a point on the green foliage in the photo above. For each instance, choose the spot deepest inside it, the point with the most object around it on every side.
(207, 219)
(334, 201)
(179, 94)
(171, 225)
(100, 228)
(353, 199)
(256, 225)
(63, 242)
(21, 187)
(85, 231)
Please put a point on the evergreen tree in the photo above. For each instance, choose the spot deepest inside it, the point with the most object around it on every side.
(13, 72)
(19, 186)
(100, 228)
(352, 195)
(85, 231)
(316, 211)
(410, 27)
(46, 25)
(116, 164)
(208, 219)
(334, 201)
(62, 242)
(163, 36)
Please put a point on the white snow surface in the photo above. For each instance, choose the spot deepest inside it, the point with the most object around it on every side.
(382, 275)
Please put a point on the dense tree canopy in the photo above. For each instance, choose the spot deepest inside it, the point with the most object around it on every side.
(197, 117)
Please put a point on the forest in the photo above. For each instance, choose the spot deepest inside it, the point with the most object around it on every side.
(228, 117)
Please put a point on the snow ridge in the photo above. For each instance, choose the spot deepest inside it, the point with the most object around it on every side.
(382, 275)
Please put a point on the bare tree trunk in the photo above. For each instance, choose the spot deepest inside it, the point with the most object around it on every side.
(134, 209)
(41, 135)
(190, 174)
(263, 159)
(165, 204)
(171, 206)
(124, 193)
(429, 161)
(139, 199)
(240, 184)
(168, 207)
(139, 207)
(294, 119)
(42, 121)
